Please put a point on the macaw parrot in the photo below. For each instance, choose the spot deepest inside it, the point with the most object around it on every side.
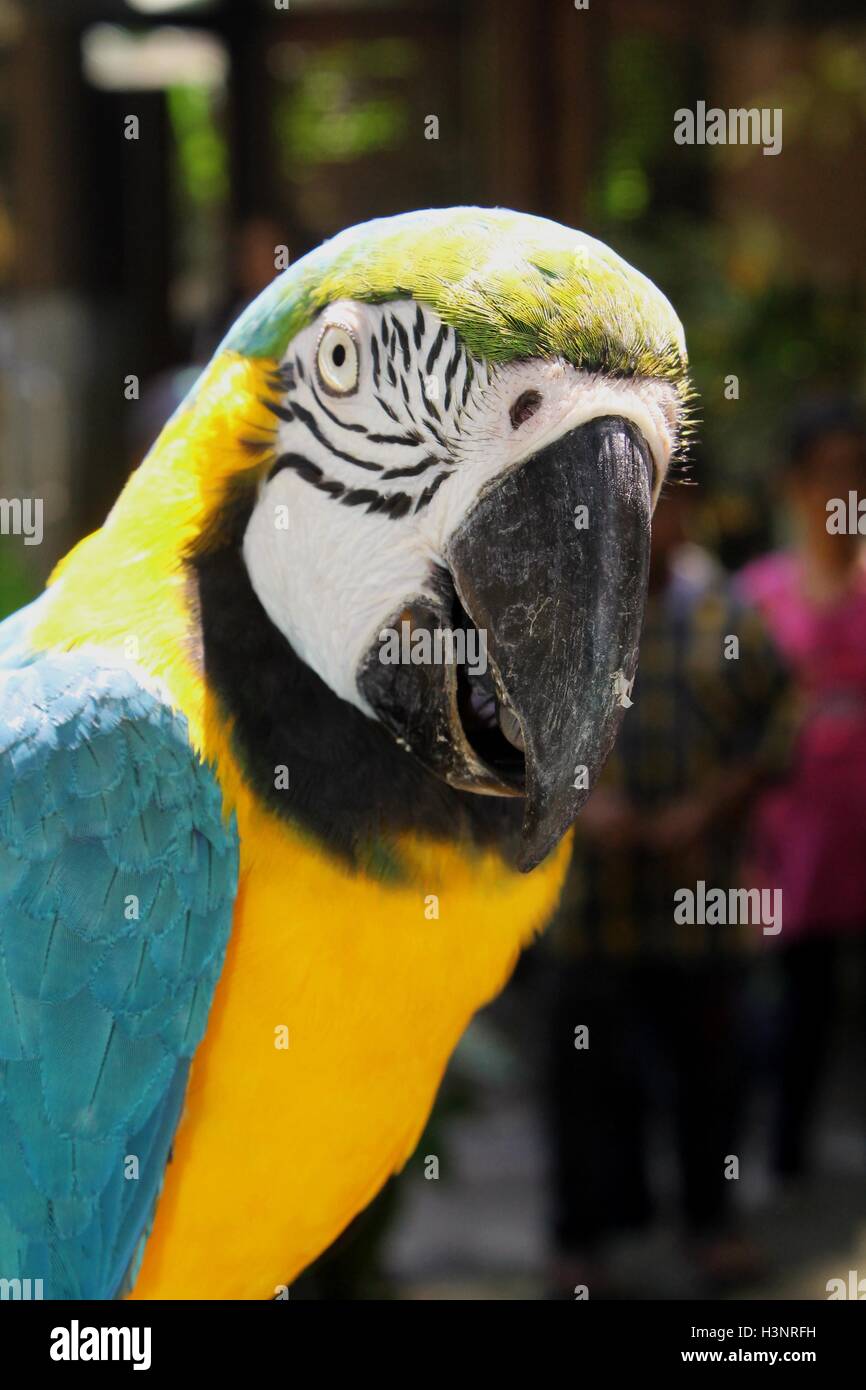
(256, 876)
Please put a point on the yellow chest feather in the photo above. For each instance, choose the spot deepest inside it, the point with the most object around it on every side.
(339, 1005)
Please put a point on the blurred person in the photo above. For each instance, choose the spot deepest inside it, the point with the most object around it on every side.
(662, 1001)
(810, 830)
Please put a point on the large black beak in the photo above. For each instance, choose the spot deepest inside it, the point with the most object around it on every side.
(553, 562)
(550, 566)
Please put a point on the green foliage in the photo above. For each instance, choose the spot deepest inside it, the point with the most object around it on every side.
(511, 284)
(201, 151)
(337, 107)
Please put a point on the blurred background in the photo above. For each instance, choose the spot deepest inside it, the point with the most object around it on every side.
(264, 126)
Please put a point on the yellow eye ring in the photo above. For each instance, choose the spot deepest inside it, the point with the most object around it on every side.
(337, 360)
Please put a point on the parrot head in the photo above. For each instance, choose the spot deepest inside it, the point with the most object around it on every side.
(473, 414)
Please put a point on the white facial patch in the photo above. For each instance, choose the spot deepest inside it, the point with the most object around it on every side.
(369, 486)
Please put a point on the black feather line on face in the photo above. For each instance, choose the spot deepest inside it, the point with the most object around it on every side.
(350, 786)
(283, 378)
(435, 349)
(429, 492)
(450, 372)
(414, 469)
(404, 341)
(310, 472)
(467, 383)
(388, 410)
(309, 420)
(454, 363)
(390, 504)
(410, 439)
(435, 433)
(374, 352)
(343, 424)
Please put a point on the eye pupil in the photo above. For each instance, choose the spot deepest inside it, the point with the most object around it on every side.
(338, 356)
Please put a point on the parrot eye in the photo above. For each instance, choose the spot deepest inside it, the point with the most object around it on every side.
(337, 361)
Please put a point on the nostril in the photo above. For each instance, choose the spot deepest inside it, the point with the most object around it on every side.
(526, 405)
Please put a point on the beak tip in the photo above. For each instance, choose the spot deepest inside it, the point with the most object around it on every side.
(527, 860)
(547, 819)
(539, 839)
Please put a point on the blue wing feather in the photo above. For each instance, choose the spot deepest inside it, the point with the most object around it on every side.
(117, 879)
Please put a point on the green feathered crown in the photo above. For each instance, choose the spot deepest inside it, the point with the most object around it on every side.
(512, 285)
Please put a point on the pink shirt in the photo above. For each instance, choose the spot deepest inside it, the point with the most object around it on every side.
(809, 836)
